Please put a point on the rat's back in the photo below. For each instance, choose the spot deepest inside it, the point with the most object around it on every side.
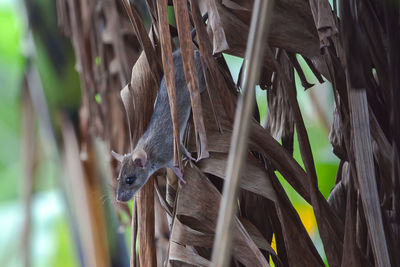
(157, 141)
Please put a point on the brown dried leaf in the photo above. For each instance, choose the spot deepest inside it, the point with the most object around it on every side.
(184, 254)
(144, 41)
(337, 197)
(236, 31)
(263, 142)
(354, 50)
(127, 100)
(324, 19)
(314, 69)
(145, 216)
(138, 97)
(254, 177)
(292, 27)
(168, 66)
(375, 43)
(219, 40)
(204, 216)
(184, 234)
(299, 71)
(337, 135)
(351, 253)
(184, 33)
(382, 154)
(243, 5)
(256, 236)
(279, 120)
(299, 247)
(331, 229)
(216, 85)
(363, 161)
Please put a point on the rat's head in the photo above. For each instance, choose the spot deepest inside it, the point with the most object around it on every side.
(133, 174)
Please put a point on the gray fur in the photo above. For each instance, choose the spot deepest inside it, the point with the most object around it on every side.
(157, 141)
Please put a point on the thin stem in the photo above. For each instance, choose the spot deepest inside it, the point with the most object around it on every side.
(262, 11)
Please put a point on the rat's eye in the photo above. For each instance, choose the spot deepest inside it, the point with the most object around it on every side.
(129, 180)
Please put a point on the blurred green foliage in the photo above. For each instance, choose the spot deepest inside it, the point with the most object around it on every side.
(51, 238)
(11, 67)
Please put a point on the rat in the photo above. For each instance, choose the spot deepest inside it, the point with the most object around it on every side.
(154, 149)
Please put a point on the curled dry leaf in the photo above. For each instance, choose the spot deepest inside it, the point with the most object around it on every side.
(220, 43)
(205, 213)
(336, 135)
(351, 254)
(144, 40)
(298, 246)
(138, 98)
(337, 197)
(279, 120)
(182, 254)
(382, 153)
(263, 142)
(331, 229)
(292, 28)
(236, 31)
(217, 88)
(324, 20)
(256, 236)
(299, 71)
(254, 177)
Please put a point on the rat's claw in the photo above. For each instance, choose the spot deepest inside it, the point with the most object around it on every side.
(178, 173)
(187, 157)
(186, 160)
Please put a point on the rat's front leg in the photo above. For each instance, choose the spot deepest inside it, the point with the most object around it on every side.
(178, 173)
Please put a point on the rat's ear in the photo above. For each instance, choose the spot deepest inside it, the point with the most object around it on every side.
(117, 156)
(139, 158)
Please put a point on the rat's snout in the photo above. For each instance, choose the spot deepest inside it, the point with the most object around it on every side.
(124, 196)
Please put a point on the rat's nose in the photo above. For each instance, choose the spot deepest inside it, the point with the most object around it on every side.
(124, 196)
(118, 198)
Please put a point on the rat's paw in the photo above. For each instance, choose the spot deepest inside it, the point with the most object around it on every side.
(187, 157)
(187, 160)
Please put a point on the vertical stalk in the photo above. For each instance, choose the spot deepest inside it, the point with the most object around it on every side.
(262, 11)
(28, 153)
(133, 262)
(366, 174)
(145, 217)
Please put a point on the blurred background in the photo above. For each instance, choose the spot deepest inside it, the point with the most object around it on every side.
(34, 213)
(51, 242)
